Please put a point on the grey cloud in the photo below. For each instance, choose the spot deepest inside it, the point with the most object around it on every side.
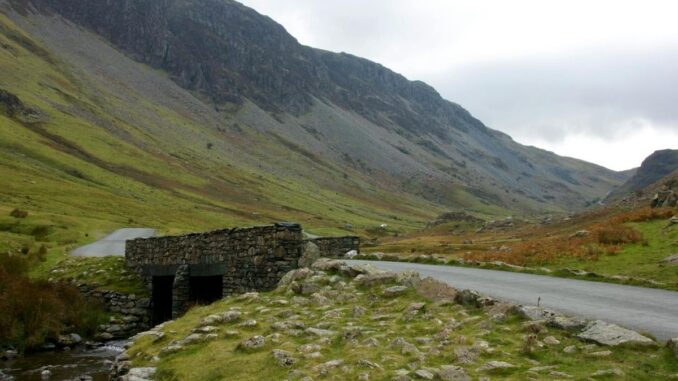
(599, 93)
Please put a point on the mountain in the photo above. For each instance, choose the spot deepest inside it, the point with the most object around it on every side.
(188, 110)
(654, 168)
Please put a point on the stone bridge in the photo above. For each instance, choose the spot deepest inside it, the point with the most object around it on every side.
(200, 268)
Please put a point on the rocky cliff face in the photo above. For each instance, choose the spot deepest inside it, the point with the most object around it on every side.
(653, 169)
(294, 107)
(230, 52)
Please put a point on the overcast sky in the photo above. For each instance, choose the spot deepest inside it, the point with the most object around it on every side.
(596, 80)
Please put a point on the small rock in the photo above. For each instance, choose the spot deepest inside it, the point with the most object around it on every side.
(376, 278)
(600, 354)
(320, 332)
(559, 375)
(671, 261)
(283, 358)
(608, 372)
(254, 342)
(570, 349)
(550, 340)
(230, 316)
(172, 348)
(395, 291)
(249, 323)
(369, 364)
(141, 373)
(424, 374)
(452, 373)
(206, 329)
(495, 366)
(466, 355)
(581, 234)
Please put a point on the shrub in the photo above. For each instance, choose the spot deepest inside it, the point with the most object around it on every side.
(618, 234)
(18, 213)
(37, 311)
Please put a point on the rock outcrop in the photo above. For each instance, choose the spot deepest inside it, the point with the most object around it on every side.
(612, 335)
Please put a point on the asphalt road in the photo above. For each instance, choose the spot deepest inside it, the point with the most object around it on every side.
(642, 309)
(113, 244)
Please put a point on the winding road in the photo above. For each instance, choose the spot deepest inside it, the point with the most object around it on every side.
(113, 244)
(643, 309)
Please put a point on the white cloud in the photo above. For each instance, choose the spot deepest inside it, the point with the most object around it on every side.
(633, 143)
(557, 74)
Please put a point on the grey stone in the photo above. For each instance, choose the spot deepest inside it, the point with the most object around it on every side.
(452, 373)
(320, 332)
(493, 366)
(144, 373)
(395, 291)
(377, 278)
(673, 345)
(671, 260)
(254, 342)
(612, 335)
(283, 358)
(424, 374)
(310, 254)
(614, 372)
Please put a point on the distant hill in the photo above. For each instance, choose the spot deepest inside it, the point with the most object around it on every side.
(187, 105)
(653, 169)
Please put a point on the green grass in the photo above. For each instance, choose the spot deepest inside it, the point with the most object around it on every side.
(641, 260)
(104, 159)
(220, 359)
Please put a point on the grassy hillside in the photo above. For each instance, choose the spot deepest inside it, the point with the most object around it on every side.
(613, 245)
(329, 325)
(82, 163)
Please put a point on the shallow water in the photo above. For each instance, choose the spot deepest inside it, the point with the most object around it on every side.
(63, 365)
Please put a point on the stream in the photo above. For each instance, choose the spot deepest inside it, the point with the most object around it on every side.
(79, 363)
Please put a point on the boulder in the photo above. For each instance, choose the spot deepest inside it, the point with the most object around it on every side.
(295, 275)
(612, 335)
(673, 345)
(310, 254)
(550, 318)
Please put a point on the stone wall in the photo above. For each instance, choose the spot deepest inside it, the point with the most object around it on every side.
(248, 259)
(134, 312)
(336, 247)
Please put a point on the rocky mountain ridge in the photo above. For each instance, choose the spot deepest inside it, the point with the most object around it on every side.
(653, 169)
(223, 93)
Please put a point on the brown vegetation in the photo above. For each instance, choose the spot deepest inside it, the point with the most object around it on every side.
(604, 236)
(36, 311)
(18, 213)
